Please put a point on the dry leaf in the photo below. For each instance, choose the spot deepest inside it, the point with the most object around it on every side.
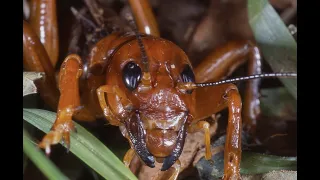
(28, 82)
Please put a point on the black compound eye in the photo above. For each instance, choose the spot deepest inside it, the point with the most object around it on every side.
(131, 75)
(187, 75)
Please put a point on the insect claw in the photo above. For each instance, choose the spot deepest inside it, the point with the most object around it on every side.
(68, 148)
(67, 145)
(48, 150)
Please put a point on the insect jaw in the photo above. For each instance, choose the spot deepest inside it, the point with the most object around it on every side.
(168, 154)
(135, 130)
(136, 134)
(174, 156)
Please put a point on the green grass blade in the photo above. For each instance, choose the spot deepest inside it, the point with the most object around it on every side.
(278, 46)
(84, 145)
(40, 160)
(256, 163)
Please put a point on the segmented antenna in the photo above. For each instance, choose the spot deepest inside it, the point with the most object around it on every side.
(247, 78)
(144, 57)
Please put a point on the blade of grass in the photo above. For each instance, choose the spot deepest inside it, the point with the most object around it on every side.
(25, 161)
(255, 163)
(84, 145)
(277, 44)
(40, 160)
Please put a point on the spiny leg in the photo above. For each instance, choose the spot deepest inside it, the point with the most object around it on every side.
(142, 12)
(43, 19)
(69, 101)
(35, 58)
(225, 96)
(223, 61)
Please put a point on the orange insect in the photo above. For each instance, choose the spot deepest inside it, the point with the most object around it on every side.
(144, 84)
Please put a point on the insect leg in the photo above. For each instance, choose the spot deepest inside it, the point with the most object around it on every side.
(217, 98)
(142, 12)
(205, 126)
(232, 156)
(128, 157)
(35, 58)
(43, 19)
(69, 101)
(113, 119)
(223, 61)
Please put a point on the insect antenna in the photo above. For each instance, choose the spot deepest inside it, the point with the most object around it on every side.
(270, 75)
(190, 85)
(144, 57)
(146, 77)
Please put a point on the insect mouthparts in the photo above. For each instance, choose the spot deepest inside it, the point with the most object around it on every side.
(136, 133)
(174, 156)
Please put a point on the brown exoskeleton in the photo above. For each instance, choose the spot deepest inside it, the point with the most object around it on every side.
(146, 85)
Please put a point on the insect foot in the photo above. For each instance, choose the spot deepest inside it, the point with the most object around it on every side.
(59, 131)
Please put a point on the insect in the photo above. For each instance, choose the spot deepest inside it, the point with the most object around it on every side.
(146, 85)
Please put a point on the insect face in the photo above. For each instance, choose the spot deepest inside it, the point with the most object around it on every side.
(156, 122)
